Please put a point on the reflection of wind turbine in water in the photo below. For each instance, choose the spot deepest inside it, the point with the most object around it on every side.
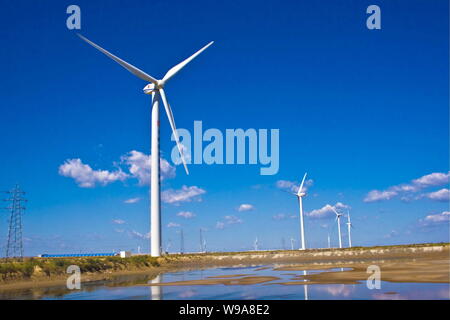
(338, 219)
(156, 88)
(305, 287)
(156, 292)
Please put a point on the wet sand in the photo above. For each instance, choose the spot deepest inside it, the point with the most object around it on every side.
(428, 270)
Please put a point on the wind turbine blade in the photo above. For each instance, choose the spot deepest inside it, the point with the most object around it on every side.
(301, 185)
(289, 192)
(174, 70)
(137, 72)
(337, 214)
(174, 128)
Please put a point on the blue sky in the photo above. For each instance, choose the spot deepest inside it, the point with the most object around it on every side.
(359, 110)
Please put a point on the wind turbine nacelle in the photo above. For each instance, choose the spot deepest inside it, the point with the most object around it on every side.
(149, 89)
(302, 194)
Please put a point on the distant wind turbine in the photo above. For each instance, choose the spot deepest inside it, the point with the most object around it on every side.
(156, 89)
(255, 244)
(181, 241)
(300, 194)
(292, 243)
(329, 242)
(349, 226)
(169, 244)
(338, 219)
(202, 242)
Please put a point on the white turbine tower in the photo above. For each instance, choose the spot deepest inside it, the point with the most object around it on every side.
(338, 219)
(255, 244)
(156, 89)
(329, 242)
(292, 243)
(349, 226)
(300, 194)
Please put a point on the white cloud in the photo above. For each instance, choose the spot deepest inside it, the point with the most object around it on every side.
(173, 225)
(437, 218)
(405, 190)
(118, 221)
(440, 195)
(279, 216)
(139, 165)
(245, 207)
(326, 211)
(220, 225)
(186, 214)
(185, 194)
(138, 235)
(132, 200)
(391, 234)
(86, 177)
(232, 220)
(432, 180)
(293, 186)
(376, 195)
(283, 216)
(434, 220)
(228, 220)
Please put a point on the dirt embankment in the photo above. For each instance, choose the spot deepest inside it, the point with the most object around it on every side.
(36, 272)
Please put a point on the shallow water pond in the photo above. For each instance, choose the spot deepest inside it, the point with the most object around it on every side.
(256, 282)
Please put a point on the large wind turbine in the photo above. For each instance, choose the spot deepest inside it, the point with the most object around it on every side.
(349, 226)
(156, 89)
(338, 219)
(300, 194)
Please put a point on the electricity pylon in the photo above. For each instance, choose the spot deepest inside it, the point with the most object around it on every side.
(14, 244)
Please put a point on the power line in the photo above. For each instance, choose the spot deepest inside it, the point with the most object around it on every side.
(181, 241)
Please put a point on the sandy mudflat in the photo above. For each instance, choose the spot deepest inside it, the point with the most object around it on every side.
(427, 270)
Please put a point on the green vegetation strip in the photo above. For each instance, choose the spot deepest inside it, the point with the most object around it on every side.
(26, 268)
